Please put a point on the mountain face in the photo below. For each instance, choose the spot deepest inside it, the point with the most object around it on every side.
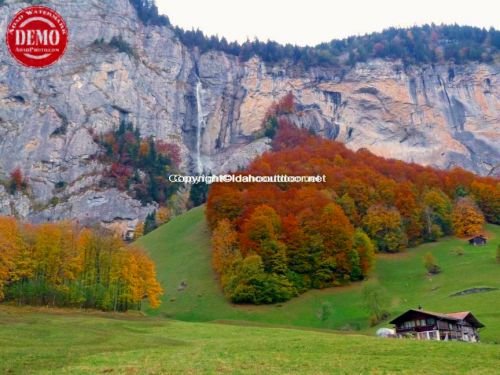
(212, 106)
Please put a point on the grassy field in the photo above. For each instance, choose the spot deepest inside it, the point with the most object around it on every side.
(62, 342)
(257, 339)
(181, 250)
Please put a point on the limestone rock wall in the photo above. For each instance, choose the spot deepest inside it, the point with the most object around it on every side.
(433, 115)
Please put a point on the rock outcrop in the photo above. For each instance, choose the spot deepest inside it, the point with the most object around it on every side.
(212, 106)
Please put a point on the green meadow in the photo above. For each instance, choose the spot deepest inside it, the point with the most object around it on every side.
(181, 250)
(38, 341)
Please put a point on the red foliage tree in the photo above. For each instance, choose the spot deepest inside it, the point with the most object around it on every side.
(17, 181)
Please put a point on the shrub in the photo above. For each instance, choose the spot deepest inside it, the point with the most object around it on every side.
(325, 312)
(459, 251)
(121, 45)
(430, 264)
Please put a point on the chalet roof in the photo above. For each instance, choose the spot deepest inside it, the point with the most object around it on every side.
(482, 236)
(457, 316)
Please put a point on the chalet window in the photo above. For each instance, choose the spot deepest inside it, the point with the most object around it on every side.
(431, 321)
(409, 324)
(422, 322)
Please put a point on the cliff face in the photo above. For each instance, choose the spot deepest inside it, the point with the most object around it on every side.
(212, 106)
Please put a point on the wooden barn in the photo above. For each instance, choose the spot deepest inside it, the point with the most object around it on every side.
(478, 240)
(426, 325)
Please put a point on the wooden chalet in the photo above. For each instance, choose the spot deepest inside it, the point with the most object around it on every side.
(478, 240)
(426, 325)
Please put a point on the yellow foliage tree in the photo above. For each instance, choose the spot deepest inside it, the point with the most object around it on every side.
(60, 264)
(139, 230)
(384, 226)
(150, 288)
(162, 215)
(10, 245)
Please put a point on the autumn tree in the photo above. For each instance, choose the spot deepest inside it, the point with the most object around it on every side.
(383, 225)
(260, 234)
(162, 215)
(224, 202)
(349, 206)
(411, 213)
(144, 284)
(263, 225)
(365, 249)
(11, 244)
(468, 220)
(139, 230)
(437, 213)
(487, 197)
(225, 250)
(337, 234)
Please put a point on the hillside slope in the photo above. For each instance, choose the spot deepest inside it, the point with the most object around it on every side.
(181, 250)
(71, 343)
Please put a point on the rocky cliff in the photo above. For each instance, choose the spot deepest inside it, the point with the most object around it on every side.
(212, 106)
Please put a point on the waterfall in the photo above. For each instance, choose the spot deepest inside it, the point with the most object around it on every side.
(199, 126)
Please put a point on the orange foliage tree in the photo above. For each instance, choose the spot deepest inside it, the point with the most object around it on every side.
(224, 246)
(468, 220)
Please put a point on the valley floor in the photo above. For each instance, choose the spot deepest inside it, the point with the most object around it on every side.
(38, 341)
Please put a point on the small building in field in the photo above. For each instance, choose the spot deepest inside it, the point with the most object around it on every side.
(128, 235)
(426, 325)
(478, 240)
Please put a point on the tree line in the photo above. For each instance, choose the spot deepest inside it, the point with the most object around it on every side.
(60, 264)
(425, 44)
(428, 44)
(273, 241)
(147, 11)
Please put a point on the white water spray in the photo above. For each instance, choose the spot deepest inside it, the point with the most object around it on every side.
(200, 126)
